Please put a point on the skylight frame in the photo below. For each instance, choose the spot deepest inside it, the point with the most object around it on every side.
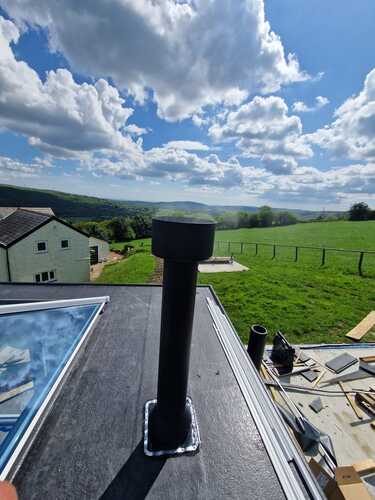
(31, 431)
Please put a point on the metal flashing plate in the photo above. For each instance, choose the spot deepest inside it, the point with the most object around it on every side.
(190, 446)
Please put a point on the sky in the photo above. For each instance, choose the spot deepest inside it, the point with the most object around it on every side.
(240, 102)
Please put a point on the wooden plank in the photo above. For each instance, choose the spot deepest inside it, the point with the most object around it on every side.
(359, 413)
(368, 359)
(4, 396)
(266, 376)
(319, 378)
(363, 327)
(365, 467)
(366, 403)
(367, 398)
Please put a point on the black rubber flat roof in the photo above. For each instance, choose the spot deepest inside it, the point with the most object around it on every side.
(90, 445)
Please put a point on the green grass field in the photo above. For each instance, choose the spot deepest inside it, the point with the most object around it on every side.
(309, 303)
(137, 268)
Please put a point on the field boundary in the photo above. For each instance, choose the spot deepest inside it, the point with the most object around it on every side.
(242, 245)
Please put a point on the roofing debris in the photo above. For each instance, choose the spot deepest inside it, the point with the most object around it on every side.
(336, 426)
(340, 363)
(316, 405)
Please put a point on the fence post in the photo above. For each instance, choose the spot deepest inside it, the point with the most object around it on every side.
(228, 247)
(241, 247)
(323, 257)
(256, 248)
(360, 263)
(296, 255)
(274, 252)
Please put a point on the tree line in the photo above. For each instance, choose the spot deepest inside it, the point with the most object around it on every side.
(264, 217)
(361, 211)
(126, 229)
(118, 228)
(139, 226)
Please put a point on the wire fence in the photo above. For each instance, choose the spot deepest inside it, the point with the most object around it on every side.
(233, 247)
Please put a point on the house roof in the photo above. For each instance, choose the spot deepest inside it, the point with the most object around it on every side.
(5, 211)
(23, 222)
(19, 224)
(91, 441)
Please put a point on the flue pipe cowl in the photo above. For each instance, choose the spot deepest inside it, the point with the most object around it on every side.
(170, 423)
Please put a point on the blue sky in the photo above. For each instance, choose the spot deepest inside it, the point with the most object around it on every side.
(221, 102)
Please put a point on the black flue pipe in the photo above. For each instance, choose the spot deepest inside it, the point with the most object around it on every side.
(257, 344)
(182, 243)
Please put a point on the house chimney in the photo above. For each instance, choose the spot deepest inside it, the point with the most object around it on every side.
(170, 423)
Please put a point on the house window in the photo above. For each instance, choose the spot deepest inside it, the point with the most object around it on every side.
(41, 246)
(45, 276)
(65, 244)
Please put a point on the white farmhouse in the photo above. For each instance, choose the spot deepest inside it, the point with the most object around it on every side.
(99, 250)
(39, 247)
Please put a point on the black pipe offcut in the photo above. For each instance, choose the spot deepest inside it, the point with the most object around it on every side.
(182, 242)
(257, 344)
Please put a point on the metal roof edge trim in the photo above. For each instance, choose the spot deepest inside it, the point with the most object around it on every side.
(275, 436)
(51, 304)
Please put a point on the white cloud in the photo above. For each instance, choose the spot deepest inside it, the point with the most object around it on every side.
(335, 186)
(352, 133)
(133, 129)
(176, 165)
(301, 107)
(58, 115)
(10, 167)
(188, 54)
(278, 165)
(278, 179)
(263, 127)
(187, 145)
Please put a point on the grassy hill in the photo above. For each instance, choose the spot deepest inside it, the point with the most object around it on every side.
(80, 207)
(340, 234)
(68, 206)
(306, 301)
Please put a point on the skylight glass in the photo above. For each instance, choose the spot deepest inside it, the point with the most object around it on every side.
(35, 346)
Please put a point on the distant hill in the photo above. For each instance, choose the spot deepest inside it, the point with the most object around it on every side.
(74, 206)
(68, 206)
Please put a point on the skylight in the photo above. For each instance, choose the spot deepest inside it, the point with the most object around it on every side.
(37, 344)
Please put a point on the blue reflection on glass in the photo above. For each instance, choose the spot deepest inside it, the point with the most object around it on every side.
(34, 347)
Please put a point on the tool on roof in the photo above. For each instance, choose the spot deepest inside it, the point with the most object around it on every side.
(282, 353)
(306, 433)
(310, 436)
(313, 390)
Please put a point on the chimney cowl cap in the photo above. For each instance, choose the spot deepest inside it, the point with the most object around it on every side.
(185, 239)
